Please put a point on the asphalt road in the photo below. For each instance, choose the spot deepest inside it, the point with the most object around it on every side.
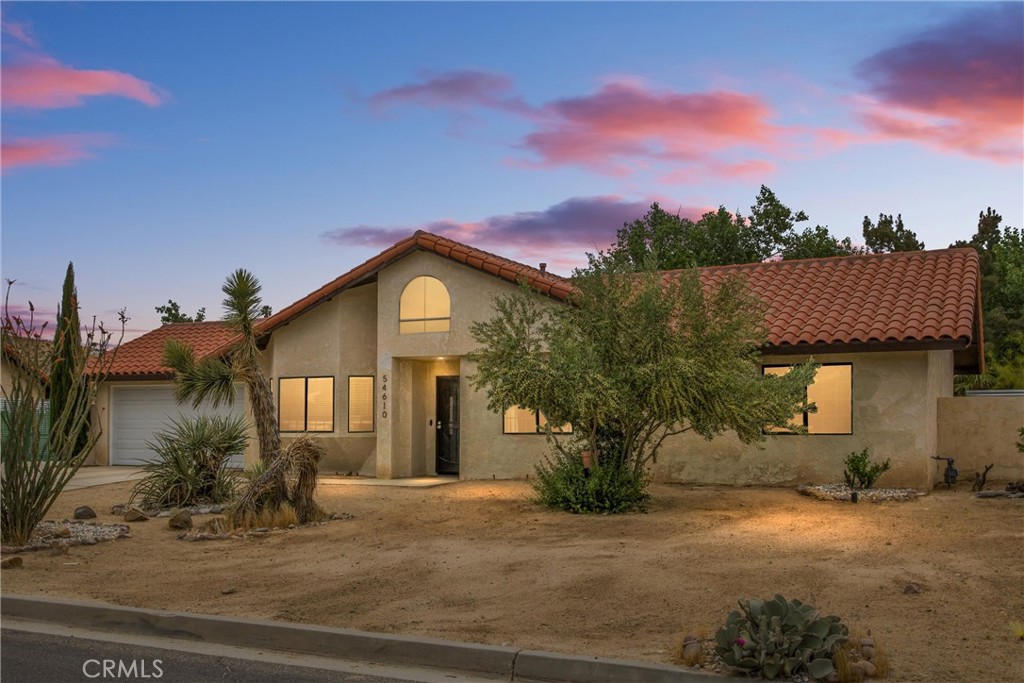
(29, 657)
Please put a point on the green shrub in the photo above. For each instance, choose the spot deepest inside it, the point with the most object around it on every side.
(194, 463)
(860, 472)
(561, 483)
(780, 637)
(1020, 444)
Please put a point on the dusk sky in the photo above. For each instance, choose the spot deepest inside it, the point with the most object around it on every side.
(160, 146)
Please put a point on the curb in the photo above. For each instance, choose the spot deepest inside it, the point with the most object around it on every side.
(338, 643)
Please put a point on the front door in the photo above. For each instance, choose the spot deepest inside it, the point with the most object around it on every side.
(447, 425)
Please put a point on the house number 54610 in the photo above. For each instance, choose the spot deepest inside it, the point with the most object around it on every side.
(384, 396)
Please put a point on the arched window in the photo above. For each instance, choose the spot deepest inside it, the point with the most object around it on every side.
(425, 307)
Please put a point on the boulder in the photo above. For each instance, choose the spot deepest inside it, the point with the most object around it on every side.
(133, 515)
(11, 562)
(84, 512)
(180, 520)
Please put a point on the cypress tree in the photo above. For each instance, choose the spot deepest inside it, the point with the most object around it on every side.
(67, 340)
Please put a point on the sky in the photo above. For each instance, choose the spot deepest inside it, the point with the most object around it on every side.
(160, 146)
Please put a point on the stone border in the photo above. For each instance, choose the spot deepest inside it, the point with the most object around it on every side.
(337, 643)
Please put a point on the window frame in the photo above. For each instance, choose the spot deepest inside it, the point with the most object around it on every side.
(787, 432)
(373, 405)
(424, 320)
(305, 404)
(536, 417)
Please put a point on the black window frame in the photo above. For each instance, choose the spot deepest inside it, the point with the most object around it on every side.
(536, 418)
(805, 413)
(305, 404)
(373, 408)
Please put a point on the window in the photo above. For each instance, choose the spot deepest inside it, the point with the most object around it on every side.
(306, 404)
(360, 404)
(519, 420)
(832, 393)
(425, 307)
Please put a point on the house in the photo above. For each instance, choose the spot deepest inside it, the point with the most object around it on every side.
(374, 365)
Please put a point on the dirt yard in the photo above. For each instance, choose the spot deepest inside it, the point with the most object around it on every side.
(477, 561)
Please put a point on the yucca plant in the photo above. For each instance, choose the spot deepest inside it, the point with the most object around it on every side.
(194, 464)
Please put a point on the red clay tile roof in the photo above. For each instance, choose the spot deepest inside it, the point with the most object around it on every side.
(143, 357)
(924, 299)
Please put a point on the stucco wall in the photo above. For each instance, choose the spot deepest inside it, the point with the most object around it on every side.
(337, 339)
(894, 416)
(982, 430)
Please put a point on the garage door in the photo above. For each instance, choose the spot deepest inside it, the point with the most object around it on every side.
(137, 413)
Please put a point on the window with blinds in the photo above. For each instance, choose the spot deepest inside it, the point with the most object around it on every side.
(306, 404)
(360, 404)
(520, 420)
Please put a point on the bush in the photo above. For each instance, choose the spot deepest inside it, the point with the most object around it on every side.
(779, 636)
(561, 483)
(194, 463)
(860, 472)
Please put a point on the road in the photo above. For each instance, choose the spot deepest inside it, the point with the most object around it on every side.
(46, 654)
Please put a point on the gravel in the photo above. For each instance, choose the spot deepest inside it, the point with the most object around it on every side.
(67, 533)
(842, 492)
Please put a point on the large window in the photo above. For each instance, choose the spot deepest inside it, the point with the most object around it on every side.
(832, 394)
(425, 306)
(306, 404)
(360, 404)
(519, 420)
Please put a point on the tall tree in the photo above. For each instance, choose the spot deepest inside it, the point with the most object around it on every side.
(64, 385)
(171, 313)
(889, 235)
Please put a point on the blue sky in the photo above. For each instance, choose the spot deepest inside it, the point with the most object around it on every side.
(161, 145)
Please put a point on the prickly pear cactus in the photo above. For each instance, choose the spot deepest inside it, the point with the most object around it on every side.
(780, 637)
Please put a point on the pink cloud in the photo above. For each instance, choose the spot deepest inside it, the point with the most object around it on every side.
(558, 235)
(21, 32)
(53, 150)
(45, 83)
(958, 87)
(454, 89)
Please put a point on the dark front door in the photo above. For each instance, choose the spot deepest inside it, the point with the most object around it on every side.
(447, 425)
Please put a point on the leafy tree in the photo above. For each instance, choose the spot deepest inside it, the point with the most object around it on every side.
(266, 311)
(41, 450)
(67, 340)
(171, 313)
(635, 357)
(889, 235)
(722, 237)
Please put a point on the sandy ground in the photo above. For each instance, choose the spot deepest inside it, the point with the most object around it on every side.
(477, 561)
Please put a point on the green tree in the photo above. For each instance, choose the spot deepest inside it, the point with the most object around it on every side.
(67, 341)
(171, 313)
(889, 235)
(817, 242)
(636, 357)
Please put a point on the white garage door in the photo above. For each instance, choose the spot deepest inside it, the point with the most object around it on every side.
(137, 413)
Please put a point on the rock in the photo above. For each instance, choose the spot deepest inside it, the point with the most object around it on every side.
(261, 530)
(59, 549)
(867, 669)
(180, 520)
(868, 652)
(89, 541)
(229, 591)
(118, 509)
(189, 537)
(912, 588)
(215, 526)
(216, 509)
(692, 649)
(133, 515)
(11, 562)
(84, 512)
(62, 532)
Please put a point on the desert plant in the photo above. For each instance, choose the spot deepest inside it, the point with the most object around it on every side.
(41, 449)
(296, 466)
(780, 636)
(194, 462)
(860, 472)
(561, 483)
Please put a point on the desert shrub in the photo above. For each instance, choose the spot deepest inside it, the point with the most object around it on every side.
(861, 472)
(193, 463)
(777, 637)
(294, 468)
(561, 483)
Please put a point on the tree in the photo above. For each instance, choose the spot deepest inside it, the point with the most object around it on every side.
(213, 378)
(722, 237)
(889, 235)
(171, 313)
(633, 359)
(41, 449)
(67, 341)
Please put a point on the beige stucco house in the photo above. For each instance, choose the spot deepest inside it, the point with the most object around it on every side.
(374, 365)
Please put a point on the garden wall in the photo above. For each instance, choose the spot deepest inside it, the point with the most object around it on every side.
(982, 430)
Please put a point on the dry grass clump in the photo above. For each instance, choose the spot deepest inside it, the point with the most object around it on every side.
(289, 480)
(852, 652)
(690, 656)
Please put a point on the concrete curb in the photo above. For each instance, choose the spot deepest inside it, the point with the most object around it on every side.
(323, 641)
